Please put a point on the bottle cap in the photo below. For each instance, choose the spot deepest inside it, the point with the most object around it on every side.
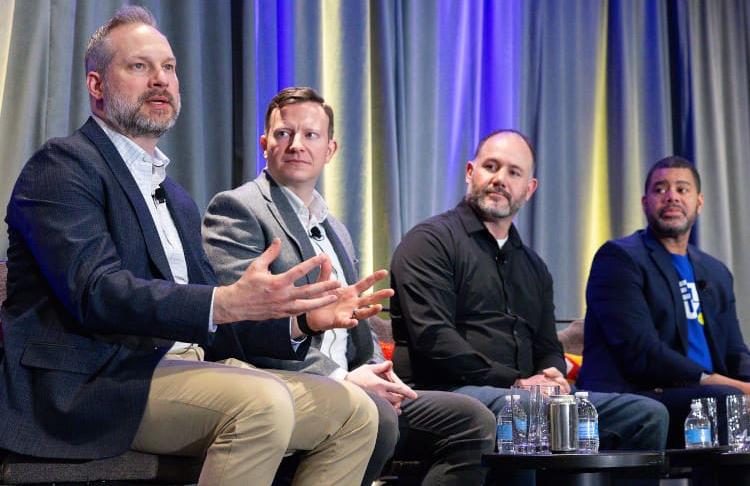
(582, 394)
(508, 398)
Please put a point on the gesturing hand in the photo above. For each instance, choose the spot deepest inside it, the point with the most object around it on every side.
(380, 380)
(349, 306)
(260, 295)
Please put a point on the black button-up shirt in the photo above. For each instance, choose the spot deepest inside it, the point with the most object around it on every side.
(469, 312)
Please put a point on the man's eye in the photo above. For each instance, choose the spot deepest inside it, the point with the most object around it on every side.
(312, 135)
(169, 67)
(139, 66)
(282, 133)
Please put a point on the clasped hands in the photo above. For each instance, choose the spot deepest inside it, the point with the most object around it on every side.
(379, 379)
(259, 295)
(548, 376)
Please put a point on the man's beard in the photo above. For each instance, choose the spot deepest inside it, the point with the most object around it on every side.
(128, 118)
(669, 230)
(478, 199)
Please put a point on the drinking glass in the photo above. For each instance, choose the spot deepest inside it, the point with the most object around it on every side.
(708, 404)
(521, 406)
(738, 423)
(531, 420)
(542, 436)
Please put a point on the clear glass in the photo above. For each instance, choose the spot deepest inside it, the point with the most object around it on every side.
(738, 423)
(530, 405)
(708, 404)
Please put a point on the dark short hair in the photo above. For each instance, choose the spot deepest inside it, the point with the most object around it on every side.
(508, 130)
(299, 94)
(673, 162)
(98, 54)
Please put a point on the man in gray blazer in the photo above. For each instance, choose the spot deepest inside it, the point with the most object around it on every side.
(447, 430)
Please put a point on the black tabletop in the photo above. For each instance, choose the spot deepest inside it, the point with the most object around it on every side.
(577, 462)
(709, 457)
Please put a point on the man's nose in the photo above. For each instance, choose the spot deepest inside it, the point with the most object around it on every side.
(296, 142)
(671, 194)
(159, 78)
(498, 178)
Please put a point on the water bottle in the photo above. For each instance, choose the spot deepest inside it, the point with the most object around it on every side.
(520, 426)
(505, 428)
(697, 428)
(588, 424)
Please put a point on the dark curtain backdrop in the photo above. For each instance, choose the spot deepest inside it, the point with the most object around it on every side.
(603, 89)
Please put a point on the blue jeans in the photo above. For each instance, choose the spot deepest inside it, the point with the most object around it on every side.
(626, 421)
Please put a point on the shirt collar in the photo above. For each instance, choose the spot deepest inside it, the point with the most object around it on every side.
(139, 162)
(311, 215)
(473, 224)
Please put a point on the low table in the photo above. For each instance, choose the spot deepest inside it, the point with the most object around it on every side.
(715, 466)
(579, 469)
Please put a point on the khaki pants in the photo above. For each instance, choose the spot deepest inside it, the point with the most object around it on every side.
(244, 420)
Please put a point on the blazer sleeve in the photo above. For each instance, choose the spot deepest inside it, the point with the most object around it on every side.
(423, 277)
(60, 209)
(616, 299)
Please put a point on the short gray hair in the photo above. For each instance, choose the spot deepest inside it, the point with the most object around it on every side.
(98, 54)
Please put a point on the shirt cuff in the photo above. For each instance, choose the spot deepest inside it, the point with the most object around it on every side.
(211, 326)
(298, 341)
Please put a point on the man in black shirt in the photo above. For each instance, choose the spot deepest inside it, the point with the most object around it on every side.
(474, 305)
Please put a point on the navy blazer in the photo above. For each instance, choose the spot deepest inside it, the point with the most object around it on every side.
(92, 306)
(635, 336)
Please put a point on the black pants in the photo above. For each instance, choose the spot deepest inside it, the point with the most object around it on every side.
(446, 431)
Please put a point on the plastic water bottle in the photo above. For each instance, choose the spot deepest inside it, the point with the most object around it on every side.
(520, 426)
(697, 428)
(505, 428)
(588, 424)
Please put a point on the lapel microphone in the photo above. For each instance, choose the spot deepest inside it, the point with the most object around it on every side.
(159, 195)
(316, 234)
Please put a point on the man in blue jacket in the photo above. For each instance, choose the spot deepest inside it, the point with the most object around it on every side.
(661, 318)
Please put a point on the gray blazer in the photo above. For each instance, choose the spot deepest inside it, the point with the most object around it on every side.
(238, 226)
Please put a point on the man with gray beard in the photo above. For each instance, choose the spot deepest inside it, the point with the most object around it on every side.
(111, 298)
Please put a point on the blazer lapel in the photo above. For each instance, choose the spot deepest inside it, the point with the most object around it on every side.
(282, 211)
(179, 206)
(344, 258)
(360, 345)
(664, 263)
(112, 157)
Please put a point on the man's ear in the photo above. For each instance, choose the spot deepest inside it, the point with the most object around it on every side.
(531, 187)
(94, 84)
(469, 171)
(263, 141)
(333, 145)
